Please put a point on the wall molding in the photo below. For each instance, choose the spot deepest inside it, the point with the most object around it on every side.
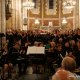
(37, 9)
(51, 18)
(51, 11)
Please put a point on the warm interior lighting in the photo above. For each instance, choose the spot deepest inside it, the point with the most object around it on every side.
(50, 24)
(69, 4)
(64, 21)
(37, 21)
(29, 4)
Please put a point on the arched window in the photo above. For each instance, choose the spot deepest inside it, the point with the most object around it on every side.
(51, 4)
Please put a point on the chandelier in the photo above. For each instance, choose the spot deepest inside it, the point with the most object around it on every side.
(29, 4)
(69, 4)
(64, 21)
(50, 23)
(37, 21)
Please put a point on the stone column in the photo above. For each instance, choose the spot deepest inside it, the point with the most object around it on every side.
(3, 17)
(20, 15)
(60, 9)
(2, 22)
(77, 14)
(42, 3)
(0, 14)
(13, 14)
(16, 14)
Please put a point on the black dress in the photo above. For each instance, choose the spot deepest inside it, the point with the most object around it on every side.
(13, 55)
(4, 58)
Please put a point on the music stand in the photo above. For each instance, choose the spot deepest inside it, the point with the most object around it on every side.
(35, 50)
(36, 55)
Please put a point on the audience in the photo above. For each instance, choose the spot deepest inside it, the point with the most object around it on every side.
(58, 44)
(4, 62)
(68, 66)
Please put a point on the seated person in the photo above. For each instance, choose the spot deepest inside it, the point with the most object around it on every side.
(50, 56)
(58, 55)
(66, 70)
(5, 61)
(14, 53)
(52, 47)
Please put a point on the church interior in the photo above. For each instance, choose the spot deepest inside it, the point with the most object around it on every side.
(38, 37)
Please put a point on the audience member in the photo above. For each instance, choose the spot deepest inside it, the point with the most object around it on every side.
(68, 66)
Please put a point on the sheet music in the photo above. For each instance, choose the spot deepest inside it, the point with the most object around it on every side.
(40, 50)
(31, 50)
(35, 50)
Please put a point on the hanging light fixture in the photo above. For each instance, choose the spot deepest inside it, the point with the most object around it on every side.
(37, 21)
(29, 4)
(64, 21)
(69, 4)
(50, 23)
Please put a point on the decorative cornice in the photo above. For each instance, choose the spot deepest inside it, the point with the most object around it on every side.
(51, 18)
(77, 14)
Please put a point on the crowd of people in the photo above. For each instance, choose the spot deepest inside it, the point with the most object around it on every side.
(57, 43)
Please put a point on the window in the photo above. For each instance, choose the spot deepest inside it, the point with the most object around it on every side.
(51, 4)
(35, 2)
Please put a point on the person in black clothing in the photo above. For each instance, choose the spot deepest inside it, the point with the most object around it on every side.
(9, 38)
(77, 54)
(58, 55)
(22, 63)
(4, 56)
(49, 56)
(14, 54)
(67, 49)
(24, 39)
(4, 62)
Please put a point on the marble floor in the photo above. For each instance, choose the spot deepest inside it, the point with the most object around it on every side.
(30, 75)
(35, 77)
